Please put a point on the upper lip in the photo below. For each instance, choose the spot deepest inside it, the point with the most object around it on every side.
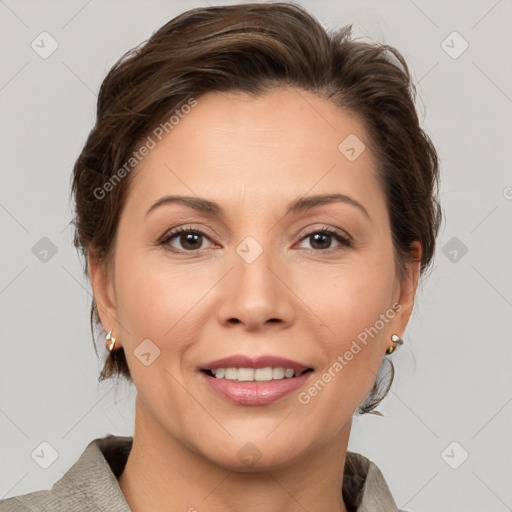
(243, 361)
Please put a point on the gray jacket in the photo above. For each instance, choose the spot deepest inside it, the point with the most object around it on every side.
(91, 484)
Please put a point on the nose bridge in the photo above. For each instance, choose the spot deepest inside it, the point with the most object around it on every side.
(255, 295)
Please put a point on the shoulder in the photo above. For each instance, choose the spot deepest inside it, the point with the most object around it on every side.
(365, 487)
(90, 484)
(38, 500)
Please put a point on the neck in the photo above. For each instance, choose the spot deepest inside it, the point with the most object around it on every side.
(161, 472)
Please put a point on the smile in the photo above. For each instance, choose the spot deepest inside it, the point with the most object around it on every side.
(255, 374)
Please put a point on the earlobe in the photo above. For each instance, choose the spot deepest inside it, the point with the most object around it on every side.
(102, 287)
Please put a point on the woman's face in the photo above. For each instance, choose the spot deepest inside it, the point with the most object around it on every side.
(254, 276)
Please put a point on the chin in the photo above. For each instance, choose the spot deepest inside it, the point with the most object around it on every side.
(256, 453)
(250, 459)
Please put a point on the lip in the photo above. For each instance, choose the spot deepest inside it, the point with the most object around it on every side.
(254, 393)
(244, 361)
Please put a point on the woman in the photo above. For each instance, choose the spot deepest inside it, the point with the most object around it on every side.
(256, 204)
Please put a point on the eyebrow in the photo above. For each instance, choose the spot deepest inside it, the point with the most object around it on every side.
(299, 205)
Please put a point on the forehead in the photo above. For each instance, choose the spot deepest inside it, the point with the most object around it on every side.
(283, 143)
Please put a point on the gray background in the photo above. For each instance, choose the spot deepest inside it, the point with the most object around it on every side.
(453, 380)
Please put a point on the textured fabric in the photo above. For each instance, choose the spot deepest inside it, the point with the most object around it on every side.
(91, 484)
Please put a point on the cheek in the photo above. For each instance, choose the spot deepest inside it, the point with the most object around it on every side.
(357, 311)
(356, 295)
(161, 301)
(356, 305)
(158, 302)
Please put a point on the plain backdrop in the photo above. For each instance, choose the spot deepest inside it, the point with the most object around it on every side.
(444, 440)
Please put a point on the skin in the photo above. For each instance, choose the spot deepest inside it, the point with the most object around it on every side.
(253, 156)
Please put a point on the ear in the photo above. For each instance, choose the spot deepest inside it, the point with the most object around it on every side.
(101, 276)
(407, 288)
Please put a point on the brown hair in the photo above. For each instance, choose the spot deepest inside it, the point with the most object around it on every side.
(252, 48)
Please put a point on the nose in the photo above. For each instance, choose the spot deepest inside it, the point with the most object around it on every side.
(256, 295)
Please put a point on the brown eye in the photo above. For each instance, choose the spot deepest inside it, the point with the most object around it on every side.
(188, 239)
(322, 239)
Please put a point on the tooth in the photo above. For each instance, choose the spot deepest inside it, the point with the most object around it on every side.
(278, 373)
(245, 374)
(231, 374)
(263, 374)
(259, 374)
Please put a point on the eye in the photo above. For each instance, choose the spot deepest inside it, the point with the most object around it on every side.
(190, 239)
(321, 239)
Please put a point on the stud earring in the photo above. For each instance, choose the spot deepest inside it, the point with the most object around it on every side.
(110, 342)
(397, 340)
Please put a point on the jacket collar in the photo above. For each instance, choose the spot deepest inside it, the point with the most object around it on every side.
(95, 475)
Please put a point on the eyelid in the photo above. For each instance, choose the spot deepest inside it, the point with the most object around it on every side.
(338, 231)
(185, 228)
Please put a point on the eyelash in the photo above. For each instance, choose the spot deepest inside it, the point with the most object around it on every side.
(343, 240)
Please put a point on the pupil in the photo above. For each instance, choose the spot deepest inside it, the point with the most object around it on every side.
(318, 236)
(189, 239)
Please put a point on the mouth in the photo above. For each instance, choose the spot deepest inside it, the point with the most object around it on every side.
(262, 381)
(263, 374)
(262, 368)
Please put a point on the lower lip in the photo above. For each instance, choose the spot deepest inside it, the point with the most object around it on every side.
(255, 393)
